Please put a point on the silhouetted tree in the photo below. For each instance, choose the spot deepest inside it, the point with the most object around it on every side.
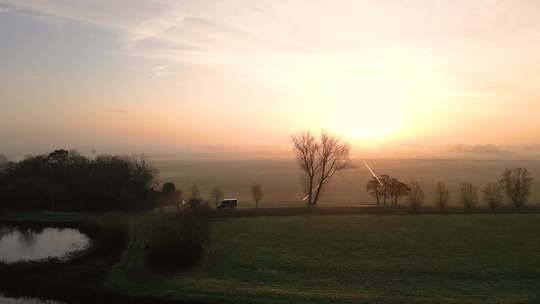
(256, 193)
(416, 195)
(168, 189)
(66, 180)
(307, 149)
(517, 185)
(469, 195)
(319, 161)
(217, 194)
(493, 195)
(144, 175)
(374, 188)
(58, 157)
(194, 192)
(169, 192)
(386, 181)
(442, 196)
(333, 156)
(396, 190)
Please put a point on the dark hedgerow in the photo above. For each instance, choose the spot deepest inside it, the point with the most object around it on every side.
(177, 240)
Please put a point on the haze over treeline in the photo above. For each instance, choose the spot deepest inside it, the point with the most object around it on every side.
(404, 151)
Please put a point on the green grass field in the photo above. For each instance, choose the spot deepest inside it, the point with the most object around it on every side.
(281, 182)
(371, 258)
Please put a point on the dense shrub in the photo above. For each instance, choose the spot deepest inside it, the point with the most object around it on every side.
(109, 234)
(177, 240)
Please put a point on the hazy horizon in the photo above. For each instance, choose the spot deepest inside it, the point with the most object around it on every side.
(168, 76)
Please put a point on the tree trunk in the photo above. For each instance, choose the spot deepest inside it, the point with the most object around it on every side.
(317, 194)
(310, 193)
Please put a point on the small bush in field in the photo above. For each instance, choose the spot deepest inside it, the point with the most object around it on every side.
(469, 195)
(415, 195)
(493, 195)
(177, 240)
(442, 196)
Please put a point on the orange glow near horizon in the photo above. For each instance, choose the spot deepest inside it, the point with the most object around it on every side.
(180, 73)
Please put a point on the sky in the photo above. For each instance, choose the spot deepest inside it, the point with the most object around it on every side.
(159, 74)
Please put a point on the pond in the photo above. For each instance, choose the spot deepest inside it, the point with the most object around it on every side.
(24, 244)
(7, 300)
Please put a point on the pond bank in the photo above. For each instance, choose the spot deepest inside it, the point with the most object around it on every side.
(78, 279)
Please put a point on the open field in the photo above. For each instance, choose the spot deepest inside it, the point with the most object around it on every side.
(371, 258)
(281, 183)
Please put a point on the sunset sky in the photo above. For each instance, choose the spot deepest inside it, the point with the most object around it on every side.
(250, 72)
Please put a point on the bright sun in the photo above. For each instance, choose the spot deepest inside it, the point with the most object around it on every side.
(366, 109)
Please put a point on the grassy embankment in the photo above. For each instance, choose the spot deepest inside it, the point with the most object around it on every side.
(372, 258)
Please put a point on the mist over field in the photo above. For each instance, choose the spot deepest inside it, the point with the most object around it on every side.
(280, 178)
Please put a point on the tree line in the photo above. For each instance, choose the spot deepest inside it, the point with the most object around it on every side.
(320, 157)
(66, 180)
(514, 184)
(216, 194)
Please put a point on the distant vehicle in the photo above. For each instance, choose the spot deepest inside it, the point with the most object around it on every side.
(228, 203)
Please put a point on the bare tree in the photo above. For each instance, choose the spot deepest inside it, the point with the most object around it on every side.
(217, 194)
(397, 189)
(319, 161)
(416, 195)
(307, 149)
(194, 192)
(143, 172)
(469, 195)
(493, 195)
(256, 193)
(374, 188)
(386, 181)
(517, 185)
(333, 156)
(442, 196)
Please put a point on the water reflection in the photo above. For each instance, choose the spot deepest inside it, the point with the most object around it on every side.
(21, 244)
(6, 300)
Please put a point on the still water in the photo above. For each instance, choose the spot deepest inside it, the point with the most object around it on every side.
(23, 244)
(6, 300)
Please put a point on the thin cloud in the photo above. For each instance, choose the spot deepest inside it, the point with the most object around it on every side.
(109, 110)
(4, 10)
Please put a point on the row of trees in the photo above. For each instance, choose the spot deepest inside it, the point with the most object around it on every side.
(387, 189)
(66, 180)
(515, 184)
(216, 193)
(319, 158)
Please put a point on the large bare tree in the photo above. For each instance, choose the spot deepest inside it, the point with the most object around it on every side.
(307, 148)
(319, 160)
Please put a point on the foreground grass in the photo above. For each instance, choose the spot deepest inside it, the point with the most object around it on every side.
(362, 258)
